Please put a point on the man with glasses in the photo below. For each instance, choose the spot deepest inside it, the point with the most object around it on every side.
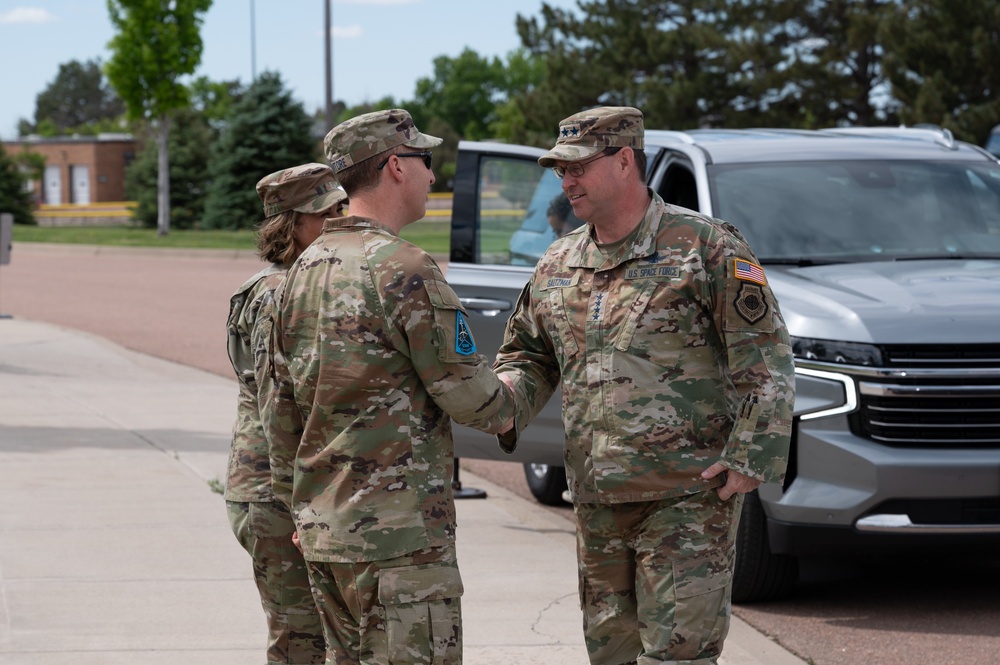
(677, 380)
(373, 356)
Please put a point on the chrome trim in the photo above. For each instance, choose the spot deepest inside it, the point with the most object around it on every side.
(900, 409)
(910, 373)
(893, 523)
(895, 390)
(941, 361)
(945, 426)
(954, 443)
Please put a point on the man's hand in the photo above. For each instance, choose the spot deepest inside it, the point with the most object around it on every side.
(295, 540)
(736, 482)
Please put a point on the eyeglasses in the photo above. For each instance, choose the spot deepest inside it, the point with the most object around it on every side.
(575, 169)
(426, 154)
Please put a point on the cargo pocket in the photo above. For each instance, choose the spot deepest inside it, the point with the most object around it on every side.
(422, 613)
(702, 587)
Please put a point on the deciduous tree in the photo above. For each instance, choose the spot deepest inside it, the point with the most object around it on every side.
(463, 92)
(158, 43)
(79, 100)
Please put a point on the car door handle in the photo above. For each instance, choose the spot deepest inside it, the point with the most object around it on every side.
(486, 306)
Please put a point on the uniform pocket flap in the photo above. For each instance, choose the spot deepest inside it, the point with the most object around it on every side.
(442, 296)
(417, 584)
(696, 575)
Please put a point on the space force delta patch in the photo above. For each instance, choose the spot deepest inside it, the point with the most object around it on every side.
(464, 344)
(748, 272)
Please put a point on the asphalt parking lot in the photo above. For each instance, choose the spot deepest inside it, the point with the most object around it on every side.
(173, 305)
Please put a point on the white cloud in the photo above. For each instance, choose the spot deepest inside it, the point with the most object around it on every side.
(26, 15)
(347, 31)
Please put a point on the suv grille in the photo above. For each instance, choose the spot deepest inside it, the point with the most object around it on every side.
(950, 407)
(943, 355)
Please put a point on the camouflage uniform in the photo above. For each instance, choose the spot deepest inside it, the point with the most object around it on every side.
(372, 354)
(671, 355)
(263, 526)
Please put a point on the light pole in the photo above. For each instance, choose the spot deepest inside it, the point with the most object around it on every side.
(328, 15)
(253, 45)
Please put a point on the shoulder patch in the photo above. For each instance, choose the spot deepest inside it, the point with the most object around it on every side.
(748, 271)
(750, 303)
(464, 344)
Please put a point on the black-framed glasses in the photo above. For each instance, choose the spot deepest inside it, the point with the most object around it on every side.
(575, 169)
(426, 154)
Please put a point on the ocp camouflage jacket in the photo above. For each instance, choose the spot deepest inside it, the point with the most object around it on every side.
(249, 328)
(372, 354)
(671, 355)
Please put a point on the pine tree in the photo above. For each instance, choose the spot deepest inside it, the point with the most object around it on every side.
(267, 131)
(685, 64)
(14, 198)
(943, 61)
(190, 146)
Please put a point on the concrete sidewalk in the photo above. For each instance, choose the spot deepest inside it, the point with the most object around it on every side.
(114, 549)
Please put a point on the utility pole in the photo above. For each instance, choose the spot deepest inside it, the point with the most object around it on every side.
(328, 15)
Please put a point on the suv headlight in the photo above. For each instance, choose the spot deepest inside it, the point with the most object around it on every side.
(830, 351)
(826, 392)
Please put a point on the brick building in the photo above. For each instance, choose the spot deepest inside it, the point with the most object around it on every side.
(79, 169)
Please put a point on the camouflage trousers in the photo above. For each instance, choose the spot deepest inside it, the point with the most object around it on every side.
(656, 578)
(394, 612)
(295, 632)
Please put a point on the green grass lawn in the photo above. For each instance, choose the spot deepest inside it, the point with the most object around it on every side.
(433, 236)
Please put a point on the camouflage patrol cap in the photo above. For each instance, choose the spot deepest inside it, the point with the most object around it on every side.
(587, 133)
(309, 188)
(355, 140)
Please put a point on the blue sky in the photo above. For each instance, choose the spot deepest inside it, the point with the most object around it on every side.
(380, 47)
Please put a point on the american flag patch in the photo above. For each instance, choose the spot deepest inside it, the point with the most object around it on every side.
(750, 272)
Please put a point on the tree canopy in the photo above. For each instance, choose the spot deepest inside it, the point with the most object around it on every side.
(463, 93)
(190, 146)
(943, 62)
(14, 197)
(157, 44)
(790, 63)
(79, 100)
(685, 63)
(267, 130)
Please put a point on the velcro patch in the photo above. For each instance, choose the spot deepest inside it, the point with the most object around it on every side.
(560, 282)
(569, 131)
(653, 272)
(750, 303)
(748, 272)
(464, 344)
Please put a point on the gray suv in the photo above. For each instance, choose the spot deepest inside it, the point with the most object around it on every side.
(882, 246)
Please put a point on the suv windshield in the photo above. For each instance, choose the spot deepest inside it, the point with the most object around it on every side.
(862, 210)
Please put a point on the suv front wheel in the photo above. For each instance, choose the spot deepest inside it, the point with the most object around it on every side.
(546, 482)
(760, 574)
